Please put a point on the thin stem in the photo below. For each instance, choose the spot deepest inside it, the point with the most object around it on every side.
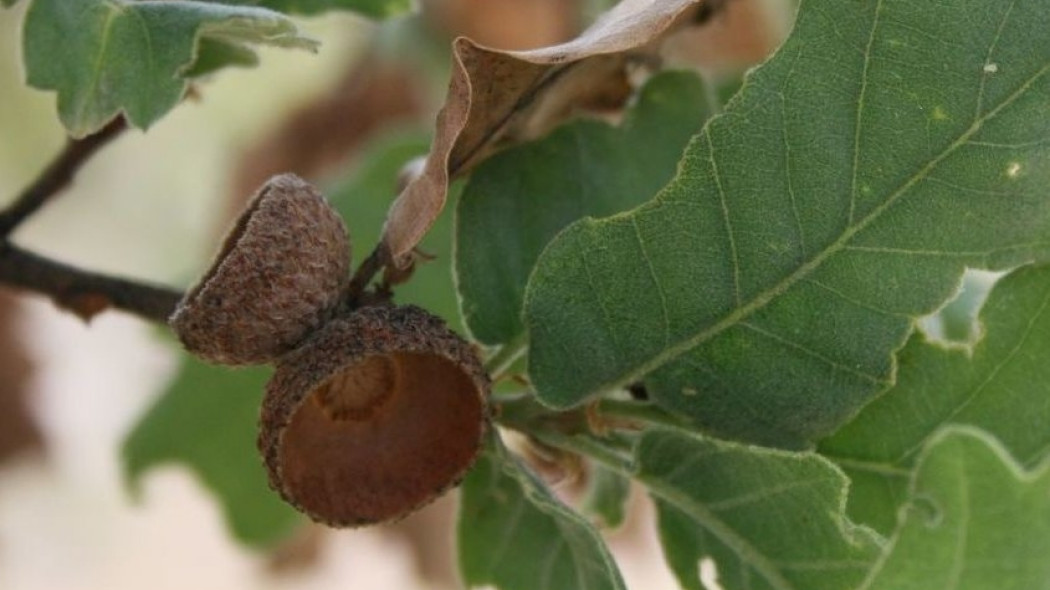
(589, 447)
(639, 411)
(81, 292)
(365, 273)
(57, 176)
(505, 356)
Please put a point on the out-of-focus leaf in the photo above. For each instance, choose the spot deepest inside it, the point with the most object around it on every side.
(514, 535)
(515, 202)
(104, 57)
(607, 495)
(886, 147)
(496, 97)
(214, 55)
(977, 520)
(1001, 387)
(369, 8)
(769, 519)
(206, 420)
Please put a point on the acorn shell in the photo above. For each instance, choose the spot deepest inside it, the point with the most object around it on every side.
(376, 415)
(279, 275)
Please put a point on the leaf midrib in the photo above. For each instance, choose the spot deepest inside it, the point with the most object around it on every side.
(113, 10)
(765, 297)
(703, 516)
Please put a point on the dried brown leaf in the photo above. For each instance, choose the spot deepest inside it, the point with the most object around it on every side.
(498, 97)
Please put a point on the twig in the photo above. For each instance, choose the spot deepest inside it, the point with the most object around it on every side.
(81, 292)
(364, 275)
(56, 176)
(504, 357)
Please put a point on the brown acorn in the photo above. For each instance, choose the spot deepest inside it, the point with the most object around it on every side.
(378, 413)
(279, 275)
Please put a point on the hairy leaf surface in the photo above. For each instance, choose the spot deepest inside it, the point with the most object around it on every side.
(514, 535)
(977, 520)
(769, 519)
(1002, 388)
(506, 217)
(887, 146)
(105, 57)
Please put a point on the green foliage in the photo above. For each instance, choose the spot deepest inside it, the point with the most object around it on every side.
(104, 57)
(1000, 387)
(839, 196)
(214, 55)
(606, 496)
(369, 8)
(505, 217)
(976, 520)
(206, 420)
(513, 534)
(769, 519)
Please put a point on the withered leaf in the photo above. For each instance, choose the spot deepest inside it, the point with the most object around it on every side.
(498, 97)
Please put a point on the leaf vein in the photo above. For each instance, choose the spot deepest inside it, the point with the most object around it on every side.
(855, 301)
(992, 374)
(725, 217)
(816, 355)
(759, 495)
(763, 298)
(857, 123)
(655, 279)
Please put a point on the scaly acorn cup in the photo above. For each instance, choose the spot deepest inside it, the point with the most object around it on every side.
(278, 276)
(378, 413)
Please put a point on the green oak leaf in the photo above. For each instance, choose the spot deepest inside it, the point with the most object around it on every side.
(769, 519)
(1001, 387)
(513, 534)
(507, 214)
(105, 57)
(207, 420)
(977, 520)
(214, 55)
(369, 8)
(887, 146)
(606, 496)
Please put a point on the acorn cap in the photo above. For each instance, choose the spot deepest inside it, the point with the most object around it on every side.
(279, 275)
(377, 414)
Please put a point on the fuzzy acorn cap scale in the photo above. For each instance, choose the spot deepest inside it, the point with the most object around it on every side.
(278, 276)
(377, 414)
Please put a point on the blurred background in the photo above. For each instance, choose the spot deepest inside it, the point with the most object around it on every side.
(122, 462)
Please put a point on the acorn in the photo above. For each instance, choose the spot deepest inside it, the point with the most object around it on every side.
(377, 414)
(279, 275)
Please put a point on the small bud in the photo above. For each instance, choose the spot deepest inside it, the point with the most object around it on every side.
(376, 415)
(279, 275)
